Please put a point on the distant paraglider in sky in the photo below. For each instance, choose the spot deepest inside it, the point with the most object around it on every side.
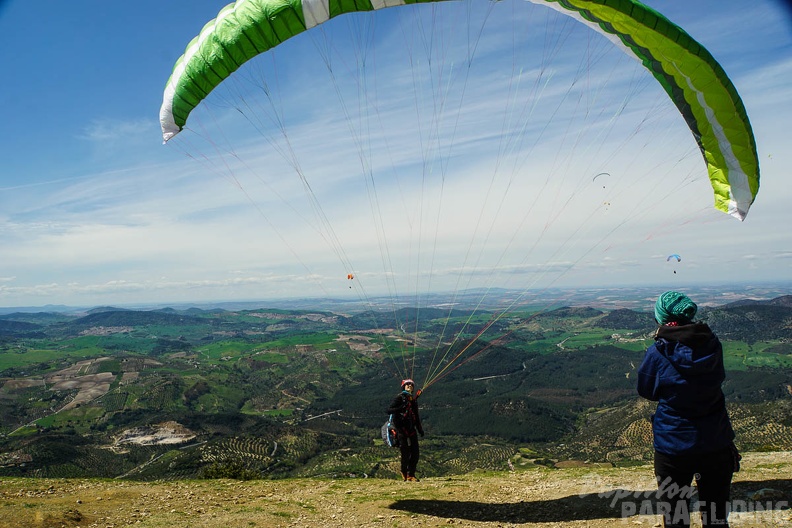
(674, 257)
(601, 174)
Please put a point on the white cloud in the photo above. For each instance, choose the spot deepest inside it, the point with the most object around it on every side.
(107, 130)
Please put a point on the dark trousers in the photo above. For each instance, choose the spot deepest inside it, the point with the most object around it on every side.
(712, 473)
(410, 452)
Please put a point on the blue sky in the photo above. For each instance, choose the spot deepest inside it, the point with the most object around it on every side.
(95, 210)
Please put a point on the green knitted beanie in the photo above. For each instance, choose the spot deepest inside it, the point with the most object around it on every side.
(674, 306)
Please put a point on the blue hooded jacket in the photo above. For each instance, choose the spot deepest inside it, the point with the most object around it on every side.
(683, 371)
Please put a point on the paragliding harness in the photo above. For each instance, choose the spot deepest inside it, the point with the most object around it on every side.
(389, 435)
(389, 432)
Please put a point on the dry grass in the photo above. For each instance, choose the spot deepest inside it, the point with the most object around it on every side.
(570, 497)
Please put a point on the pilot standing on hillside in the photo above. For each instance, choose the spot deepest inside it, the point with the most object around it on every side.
(693, 437)
(407, 421)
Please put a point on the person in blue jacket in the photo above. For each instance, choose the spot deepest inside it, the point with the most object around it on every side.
(693, 436)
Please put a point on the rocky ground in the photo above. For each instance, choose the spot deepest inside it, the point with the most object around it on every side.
(540, 497)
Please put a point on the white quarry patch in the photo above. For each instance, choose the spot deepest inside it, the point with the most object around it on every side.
(156, 434)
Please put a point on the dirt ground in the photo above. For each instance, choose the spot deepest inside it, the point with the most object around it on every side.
(540, 497)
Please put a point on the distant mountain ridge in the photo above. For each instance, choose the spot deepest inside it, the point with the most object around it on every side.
(752, 321)
(784, 300)
(629, 319)
(135, 318)
(747, 320)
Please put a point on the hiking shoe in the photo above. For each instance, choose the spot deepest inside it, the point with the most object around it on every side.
(413, 479)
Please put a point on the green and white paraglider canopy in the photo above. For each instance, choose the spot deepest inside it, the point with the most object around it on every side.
(693, 79)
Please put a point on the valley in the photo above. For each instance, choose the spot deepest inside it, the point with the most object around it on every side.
(274, 393)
